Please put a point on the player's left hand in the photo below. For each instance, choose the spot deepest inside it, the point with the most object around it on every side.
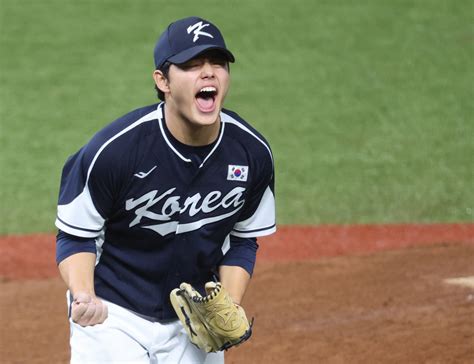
(88, 310)
(213, 322)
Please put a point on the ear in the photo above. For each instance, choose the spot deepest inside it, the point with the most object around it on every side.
(161, 81)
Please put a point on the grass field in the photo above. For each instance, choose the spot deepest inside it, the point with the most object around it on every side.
(367, 104)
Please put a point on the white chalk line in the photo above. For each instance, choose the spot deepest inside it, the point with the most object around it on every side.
(461, 281)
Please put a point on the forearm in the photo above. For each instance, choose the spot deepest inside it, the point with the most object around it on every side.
(77, 271)
(235, 280)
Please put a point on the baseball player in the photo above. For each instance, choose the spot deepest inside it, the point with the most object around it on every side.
(174, 192)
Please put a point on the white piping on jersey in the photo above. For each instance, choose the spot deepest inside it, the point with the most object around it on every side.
(215, 146)
(148, 117)
(229, 119)
(226, 245)
(99, 242)
(171, 145)
(161, 121)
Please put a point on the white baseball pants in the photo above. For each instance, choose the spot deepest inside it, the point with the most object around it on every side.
(125, 337)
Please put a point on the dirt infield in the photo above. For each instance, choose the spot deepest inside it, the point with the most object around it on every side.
(319, 295)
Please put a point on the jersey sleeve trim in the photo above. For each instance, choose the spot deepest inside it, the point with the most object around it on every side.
(75, 231)
(77, 228)
(82, 210)
(235, 231)
(254, 233)
(262, 222)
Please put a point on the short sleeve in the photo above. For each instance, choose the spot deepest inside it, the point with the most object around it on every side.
(86, 195)
(258, 217)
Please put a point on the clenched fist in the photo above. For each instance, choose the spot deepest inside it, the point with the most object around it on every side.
(87, 310)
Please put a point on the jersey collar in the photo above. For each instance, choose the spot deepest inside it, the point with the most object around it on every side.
(161, 122)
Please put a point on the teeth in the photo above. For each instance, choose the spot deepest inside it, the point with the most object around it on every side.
(208, 89)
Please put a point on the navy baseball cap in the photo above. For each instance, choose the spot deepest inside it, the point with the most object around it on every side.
(186, 38)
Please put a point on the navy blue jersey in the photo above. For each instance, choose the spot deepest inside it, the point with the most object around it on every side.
(158, 217)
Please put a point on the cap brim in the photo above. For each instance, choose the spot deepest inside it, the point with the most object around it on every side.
(190, 53)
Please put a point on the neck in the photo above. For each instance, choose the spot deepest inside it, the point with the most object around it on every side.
(190, 133)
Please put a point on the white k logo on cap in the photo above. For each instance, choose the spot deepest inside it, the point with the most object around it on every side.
(197, 31)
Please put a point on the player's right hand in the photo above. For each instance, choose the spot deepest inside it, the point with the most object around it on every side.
(88, 310)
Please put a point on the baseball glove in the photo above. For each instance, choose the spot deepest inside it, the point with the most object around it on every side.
(214, 322)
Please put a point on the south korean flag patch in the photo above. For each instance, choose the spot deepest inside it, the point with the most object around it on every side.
(237, 173)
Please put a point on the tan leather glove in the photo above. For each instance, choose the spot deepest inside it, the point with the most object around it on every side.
(214, 322)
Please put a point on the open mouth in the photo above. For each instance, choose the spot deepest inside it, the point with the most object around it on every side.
(206, 98)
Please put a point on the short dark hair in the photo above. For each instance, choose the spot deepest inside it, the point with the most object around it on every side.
(165, 69)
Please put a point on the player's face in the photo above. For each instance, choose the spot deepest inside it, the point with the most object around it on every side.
(197, 88)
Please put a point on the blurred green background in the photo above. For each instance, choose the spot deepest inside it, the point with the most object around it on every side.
(367, 104)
